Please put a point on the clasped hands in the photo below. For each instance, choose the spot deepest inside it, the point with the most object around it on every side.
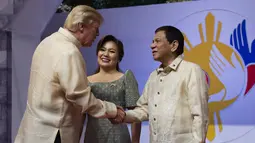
(119, 118)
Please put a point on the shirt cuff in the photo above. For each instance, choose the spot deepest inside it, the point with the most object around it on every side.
(111, 109)
(128, 118)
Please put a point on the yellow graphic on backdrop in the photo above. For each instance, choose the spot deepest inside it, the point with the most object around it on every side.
(200, 55)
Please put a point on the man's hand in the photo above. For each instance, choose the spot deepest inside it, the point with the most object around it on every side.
(119, 117)
(120, 114)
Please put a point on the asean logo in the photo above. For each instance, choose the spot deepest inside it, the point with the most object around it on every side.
(219, 42)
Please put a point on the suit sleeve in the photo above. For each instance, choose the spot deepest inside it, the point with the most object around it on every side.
(73, 80)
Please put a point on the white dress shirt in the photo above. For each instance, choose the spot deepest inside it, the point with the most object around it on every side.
(175, 101)
(58, 94)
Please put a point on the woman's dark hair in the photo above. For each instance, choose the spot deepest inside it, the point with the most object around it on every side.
(119, 44)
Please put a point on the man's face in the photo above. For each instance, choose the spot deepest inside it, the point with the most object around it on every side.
(161, 48)
(89, 34)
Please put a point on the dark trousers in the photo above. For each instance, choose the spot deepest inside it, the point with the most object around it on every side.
(58, 138)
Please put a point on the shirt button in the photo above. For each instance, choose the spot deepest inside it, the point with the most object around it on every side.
(160, 80)
(155, 105)
(154, 133)
(154, 119)
(158, 93)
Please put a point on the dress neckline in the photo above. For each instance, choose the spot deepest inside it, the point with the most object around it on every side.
(113, 80)
(109, 81)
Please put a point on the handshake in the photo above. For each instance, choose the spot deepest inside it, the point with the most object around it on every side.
(119, 118)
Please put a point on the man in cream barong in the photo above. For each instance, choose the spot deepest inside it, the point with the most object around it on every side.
(175, 97)
(58, 93)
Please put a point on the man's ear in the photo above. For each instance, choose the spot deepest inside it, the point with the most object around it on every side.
(81, 27)
(175, 44)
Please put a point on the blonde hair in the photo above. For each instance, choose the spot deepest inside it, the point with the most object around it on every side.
(82, 14)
